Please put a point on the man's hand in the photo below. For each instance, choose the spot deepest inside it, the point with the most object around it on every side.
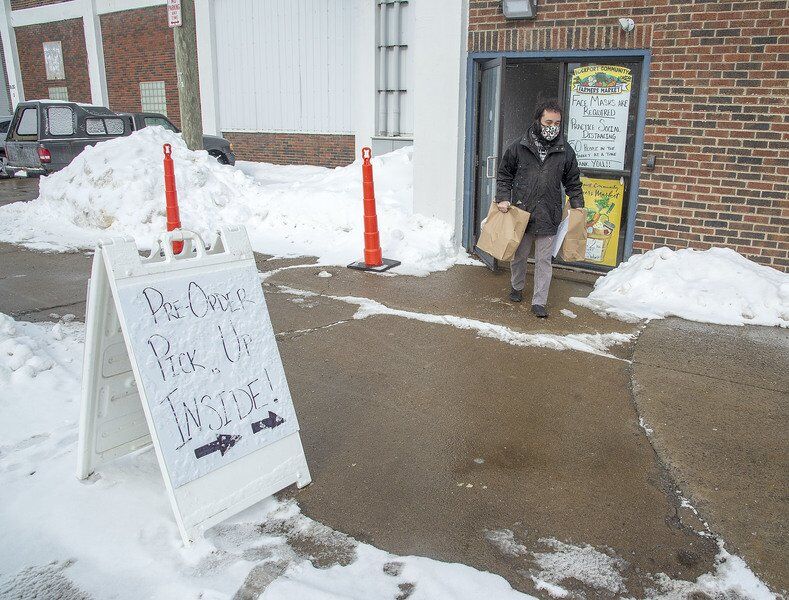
(503, 206)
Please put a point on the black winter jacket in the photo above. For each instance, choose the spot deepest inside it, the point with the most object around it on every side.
(535, 186)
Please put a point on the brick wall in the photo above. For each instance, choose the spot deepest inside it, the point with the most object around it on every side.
(717, 114)
(29, 42)
(294, 148)
(138, 46)
(20, 4)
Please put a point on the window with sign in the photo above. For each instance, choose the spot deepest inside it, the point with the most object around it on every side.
(53, 60)
(601, 103)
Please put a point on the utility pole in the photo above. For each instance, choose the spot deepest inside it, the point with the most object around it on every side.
(185, 39)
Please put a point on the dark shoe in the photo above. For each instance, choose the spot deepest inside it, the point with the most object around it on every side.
(516, 295)
(539, 311)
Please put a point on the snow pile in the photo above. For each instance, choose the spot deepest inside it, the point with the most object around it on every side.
(116, 188)
(712, 286)
(19, 354)
(39, 379)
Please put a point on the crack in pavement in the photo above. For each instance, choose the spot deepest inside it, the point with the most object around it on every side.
(696, 374)
(676, 497)
(35, 310)
(310, 330)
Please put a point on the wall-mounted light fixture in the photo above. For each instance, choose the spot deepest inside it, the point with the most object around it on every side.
(627, 25)
(519, 9)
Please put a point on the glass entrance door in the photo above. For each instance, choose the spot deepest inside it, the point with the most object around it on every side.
(488, 148)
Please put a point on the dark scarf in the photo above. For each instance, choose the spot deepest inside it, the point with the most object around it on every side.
(540, 143)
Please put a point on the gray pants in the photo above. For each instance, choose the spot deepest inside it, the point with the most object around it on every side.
(543, 250)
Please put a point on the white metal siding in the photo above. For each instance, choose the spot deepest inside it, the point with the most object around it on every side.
(284, 65)
(394, 100)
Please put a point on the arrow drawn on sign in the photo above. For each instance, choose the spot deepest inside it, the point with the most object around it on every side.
(223, 443)
(273, 420)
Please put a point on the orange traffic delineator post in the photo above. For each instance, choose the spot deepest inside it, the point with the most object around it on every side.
(171, 196)
(373, 261)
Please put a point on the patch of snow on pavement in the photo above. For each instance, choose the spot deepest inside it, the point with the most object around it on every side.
(711, 286)
(116, 188)
(568, 313)
(553, 590)
(114, 535)
(585, 564)
(368, 577)
(643, 424)
(504, 541)
(732, 579)
(593, 343)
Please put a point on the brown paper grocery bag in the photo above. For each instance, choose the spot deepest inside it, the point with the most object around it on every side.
(502, 232)
(574, 244)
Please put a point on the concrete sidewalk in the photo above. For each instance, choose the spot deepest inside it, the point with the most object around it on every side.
(429, 438)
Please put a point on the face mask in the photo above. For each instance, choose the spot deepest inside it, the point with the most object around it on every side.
(549, 132)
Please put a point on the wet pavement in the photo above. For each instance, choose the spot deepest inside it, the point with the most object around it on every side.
(436, 439)
(716, 398)
(16, 189)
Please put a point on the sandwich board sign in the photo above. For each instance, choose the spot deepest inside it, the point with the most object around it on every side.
(180, 352)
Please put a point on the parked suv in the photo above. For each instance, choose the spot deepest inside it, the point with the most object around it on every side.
(45, 135)
(216, 146)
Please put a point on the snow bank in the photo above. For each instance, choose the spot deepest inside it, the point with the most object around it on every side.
(39, 379)
(116, 188)
(712, 286)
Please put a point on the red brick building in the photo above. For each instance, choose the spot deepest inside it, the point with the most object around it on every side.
(717, 118)
(692, 154)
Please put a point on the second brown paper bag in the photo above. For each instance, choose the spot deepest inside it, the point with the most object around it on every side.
(502, 232)
(574, 244)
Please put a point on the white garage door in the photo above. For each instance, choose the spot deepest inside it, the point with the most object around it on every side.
(284, 65)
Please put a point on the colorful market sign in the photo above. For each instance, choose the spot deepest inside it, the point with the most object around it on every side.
(597, 120)
(603, 203)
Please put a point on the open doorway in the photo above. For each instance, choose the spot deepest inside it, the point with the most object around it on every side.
(601, 97)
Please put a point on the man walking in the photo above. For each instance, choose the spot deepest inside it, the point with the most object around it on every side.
(531, 176)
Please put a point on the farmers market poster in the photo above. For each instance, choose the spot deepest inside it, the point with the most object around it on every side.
(603, 203)
(597, 123)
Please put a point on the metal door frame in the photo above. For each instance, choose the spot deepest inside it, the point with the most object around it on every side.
(496, 130)
(472, 99)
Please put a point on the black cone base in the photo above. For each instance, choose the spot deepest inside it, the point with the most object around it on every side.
(362, 266)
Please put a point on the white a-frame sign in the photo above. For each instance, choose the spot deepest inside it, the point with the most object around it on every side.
(180, 352)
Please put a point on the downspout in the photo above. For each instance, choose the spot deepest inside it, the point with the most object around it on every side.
(394, 130)
(382, 79)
